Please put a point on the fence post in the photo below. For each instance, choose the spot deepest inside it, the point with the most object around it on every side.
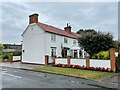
(11, 59)
(87, 61)
(53, 59)
(46, 59)
(68, 60)
(21, 59)
(112, 59)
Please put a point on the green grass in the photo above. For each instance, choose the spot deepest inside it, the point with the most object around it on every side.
(75, 72)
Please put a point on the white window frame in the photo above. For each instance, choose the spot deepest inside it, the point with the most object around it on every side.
(53, 38)
(65, 40)
(74, 42)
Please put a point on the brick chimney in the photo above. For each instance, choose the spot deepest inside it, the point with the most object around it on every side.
(33, 18)
(68, 28)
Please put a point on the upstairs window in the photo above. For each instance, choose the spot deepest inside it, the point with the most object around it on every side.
(53, 37)
(65, 40)
(74, 41)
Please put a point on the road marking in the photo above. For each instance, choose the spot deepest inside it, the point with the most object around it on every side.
(11, 75)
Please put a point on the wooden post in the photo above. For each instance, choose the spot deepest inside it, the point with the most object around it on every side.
(46, 60)
(68, 60)
(53, 59)
(21, 59)
(11, 59)
(87, 62)
(112, 59)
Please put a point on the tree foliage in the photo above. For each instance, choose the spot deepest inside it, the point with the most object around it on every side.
(95, 42)
(1, 47)
(116, 44)
(81, 31)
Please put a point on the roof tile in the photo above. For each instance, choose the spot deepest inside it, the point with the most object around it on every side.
(52, 29)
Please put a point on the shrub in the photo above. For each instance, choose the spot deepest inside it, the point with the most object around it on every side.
(76, 66)
(101, 55)
(6, 55)
(118, 63)
(83, 67)
(17, 53)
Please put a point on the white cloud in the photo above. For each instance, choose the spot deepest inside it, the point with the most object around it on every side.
(100, 16)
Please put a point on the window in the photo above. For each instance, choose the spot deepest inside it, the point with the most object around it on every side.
(53, 37)
(74, 41)
(53, 51)
(65, 40)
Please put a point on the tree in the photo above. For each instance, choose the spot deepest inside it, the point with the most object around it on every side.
(81, 31)
(1, 47)
(96, 42)
(116, 44)
(5, 46)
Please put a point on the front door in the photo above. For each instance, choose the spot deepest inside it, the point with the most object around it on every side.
(53, 51)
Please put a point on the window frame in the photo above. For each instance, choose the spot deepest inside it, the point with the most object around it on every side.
(53, 37)
(65, 40)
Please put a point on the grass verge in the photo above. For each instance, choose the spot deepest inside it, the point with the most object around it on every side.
(74, 72)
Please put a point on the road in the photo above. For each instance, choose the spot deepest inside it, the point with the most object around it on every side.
(17, 78)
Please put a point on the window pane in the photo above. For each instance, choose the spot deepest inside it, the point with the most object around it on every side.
(65, 40)
(53, 37)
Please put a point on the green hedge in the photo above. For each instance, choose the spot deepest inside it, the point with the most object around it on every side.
(8, 54)
(101, 55)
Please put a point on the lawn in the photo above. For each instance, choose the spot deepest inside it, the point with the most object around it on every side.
(74, 72)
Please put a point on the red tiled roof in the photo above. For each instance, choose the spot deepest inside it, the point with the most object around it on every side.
(58, 31)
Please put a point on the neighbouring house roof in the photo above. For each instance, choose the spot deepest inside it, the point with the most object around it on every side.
(52, 29)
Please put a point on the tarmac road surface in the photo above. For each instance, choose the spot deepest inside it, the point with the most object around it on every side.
(18, 78)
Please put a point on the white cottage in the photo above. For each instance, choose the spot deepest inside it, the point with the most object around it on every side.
(40, 39)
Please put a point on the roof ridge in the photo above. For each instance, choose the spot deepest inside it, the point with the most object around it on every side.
(53, 29)
(51, 26)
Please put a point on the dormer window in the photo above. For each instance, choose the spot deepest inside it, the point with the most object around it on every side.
(53, 37)
(65, 40)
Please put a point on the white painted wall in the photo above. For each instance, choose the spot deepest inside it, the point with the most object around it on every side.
(100, 63)
(80, 62)
(37, 43)
(61, 61)
(57, 44)
(34, 45)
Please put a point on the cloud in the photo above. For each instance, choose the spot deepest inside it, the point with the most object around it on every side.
(100, 16)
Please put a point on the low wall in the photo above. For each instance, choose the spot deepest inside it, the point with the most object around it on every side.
(100, 63)
(50, 60)
(61, 60)
(80, 62)
(16, 58)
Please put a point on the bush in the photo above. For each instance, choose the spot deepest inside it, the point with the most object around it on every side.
(118, 63)
(101, 55)
(83, 67)
(6, 55)
(17, 53)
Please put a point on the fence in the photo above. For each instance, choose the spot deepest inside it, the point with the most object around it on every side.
(81, 62)
(100, 63)
(15, 58)
(88, 62)
(61, 60)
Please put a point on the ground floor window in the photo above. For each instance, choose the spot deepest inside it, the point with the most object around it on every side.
(64, 52)
(53, 51)
(75, 54)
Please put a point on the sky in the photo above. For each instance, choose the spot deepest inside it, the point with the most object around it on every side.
(101, 16)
